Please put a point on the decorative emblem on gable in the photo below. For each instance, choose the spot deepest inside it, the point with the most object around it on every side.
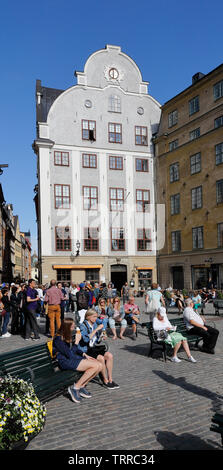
(113, 74)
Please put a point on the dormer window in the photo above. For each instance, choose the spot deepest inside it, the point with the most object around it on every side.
(114, 104)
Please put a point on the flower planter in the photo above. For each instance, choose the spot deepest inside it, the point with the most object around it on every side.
(22, 416)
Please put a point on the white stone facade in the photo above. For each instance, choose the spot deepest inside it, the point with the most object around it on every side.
(111, 94)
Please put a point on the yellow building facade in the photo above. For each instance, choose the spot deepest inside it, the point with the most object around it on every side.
(189, 168)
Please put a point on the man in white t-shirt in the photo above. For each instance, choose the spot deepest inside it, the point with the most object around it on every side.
(195, 325)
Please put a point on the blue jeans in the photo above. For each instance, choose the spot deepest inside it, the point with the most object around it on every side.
(5, 322)
(112, 323)
(103, 321)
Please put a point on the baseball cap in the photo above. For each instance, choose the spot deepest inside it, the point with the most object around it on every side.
(81, 284)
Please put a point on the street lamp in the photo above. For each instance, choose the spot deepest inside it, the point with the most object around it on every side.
(78, 245)
(2, 166)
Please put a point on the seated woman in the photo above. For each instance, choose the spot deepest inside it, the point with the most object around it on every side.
(179, 302)
(172, 300)
(72, 358)
(102, 311)
(196, 300)
(132, 314)
(174, 339)
(116, 313)
(90, 334)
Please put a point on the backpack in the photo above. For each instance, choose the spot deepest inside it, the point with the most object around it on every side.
(82, 301)
(50, 347)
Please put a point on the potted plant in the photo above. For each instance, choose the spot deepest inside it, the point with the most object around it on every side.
(22, 416)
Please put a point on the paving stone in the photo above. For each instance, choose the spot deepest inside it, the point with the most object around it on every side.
(158, 406)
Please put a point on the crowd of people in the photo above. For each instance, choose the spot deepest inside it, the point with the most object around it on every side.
(76, 341)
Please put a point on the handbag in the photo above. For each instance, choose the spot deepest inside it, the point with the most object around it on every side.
(162, 334)
(2, 312)
(98, 349)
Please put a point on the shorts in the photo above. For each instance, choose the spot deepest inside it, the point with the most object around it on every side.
(96, 351)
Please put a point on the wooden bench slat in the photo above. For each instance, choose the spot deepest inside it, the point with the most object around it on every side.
(35, 364)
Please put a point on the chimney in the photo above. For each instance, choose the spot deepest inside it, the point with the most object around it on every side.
(197, 77)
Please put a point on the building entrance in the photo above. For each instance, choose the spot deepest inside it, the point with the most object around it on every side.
(118, 276)
(178, 277)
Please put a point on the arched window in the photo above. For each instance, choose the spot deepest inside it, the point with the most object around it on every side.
(114, 104)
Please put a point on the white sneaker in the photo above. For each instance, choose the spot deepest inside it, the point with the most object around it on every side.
(175, 359)
(191, 359)
(6, 335)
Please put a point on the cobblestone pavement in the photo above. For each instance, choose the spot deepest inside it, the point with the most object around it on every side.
(158, 406)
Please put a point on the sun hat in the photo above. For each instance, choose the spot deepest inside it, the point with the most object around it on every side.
(162, 311)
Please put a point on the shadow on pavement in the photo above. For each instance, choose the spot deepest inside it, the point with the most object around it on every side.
(217, 400)
(186, 441)
(141, 349)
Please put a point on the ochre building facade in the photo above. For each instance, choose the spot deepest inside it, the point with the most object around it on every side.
(189, 173)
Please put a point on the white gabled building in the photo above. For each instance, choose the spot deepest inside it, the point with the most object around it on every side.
(95, 174)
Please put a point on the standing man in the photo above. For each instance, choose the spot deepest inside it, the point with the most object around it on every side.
(31, 307)
(82, 301)
(63, 302)
(53, 297)
(125, 292)
(195, 325)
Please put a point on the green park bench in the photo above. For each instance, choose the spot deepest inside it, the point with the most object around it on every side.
(218, 305)
(217, 425)
(181, 328)
(34, 364)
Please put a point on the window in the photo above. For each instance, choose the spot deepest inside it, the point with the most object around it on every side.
(91, 241)
(117, 239)
(194, 105)
(219, 153)
(142, 200)
(195, 163)
(114, 104)
(196, 197)
(144, 242)
(176, 240)
(218, 122)
(142, 164)
(218, 90)
(172, 118)
(63, 238)
(175, 204)
(92, 275)
(197, 236)
(145, 279)
(61, 158)
(89, 160)
(90, 195)
(174, 172)
(220, 235)
(115, 163)
(63, 275)
(195, 133)
(116, 199)
(114, 133)
(173, 145)
(141, 135)
(219, 190)
(62, 196)
(88, 130)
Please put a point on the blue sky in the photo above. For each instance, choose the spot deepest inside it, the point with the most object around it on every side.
(48, 40)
